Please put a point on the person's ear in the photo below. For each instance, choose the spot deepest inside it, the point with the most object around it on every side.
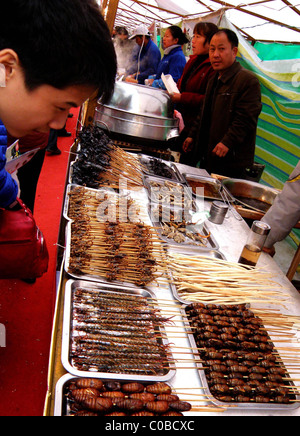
(9, 61)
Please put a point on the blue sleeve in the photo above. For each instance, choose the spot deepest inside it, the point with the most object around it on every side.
(159, 84)
(132, 69)
(176, 67)
(149, 65)
(8, 186)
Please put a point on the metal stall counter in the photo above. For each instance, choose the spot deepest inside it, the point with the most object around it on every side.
(188, 379)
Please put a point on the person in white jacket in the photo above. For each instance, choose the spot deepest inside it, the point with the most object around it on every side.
(285, 212)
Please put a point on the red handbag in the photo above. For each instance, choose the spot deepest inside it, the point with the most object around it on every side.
(23, 250)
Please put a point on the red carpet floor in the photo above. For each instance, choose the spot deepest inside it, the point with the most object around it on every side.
(26, 311)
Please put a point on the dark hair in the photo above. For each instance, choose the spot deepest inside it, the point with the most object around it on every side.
(206, 29)
(60, 43)
(231, 35)
(122, 31)
(144, 36)
(177, 33)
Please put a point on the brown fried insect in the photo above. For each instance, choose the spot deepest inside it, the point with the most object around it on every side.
(157, 406)
(129, 404)
(102, 405)
(143, 396)
(113, 386)
(170, 398)
(113, 394)
(80, 395)
(143, 413)
(116, 414)
(180, 406)
(90, 383)
(159, 388)
(85, 413)
(133, 388)
(172, 413)
(278, 371)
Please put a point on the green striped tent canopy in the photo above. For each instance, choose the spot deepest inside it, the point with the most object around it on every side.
(277, 67)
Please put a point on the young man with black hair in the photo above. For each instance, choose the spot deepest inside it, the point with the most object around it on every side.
(225, 132)
(54, 55)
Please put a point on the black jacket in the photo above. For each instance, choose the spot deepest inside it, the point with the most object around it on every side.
(230, 113)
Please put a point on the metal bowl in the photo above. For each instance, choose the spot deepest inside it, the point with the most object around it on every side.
(140, 112)
(253, 195)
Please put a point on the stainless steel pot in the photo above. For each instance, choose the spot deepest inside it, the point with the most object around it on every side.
(254, 195)
(139, 111)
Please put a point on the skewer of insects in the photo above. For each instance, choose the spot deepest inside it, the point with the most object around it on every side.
(244, 365)
(119, 333)
(118, 250)
(101, 163)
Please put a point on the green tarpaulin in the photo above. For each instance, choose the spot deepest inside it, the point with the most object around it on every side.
(278, 133)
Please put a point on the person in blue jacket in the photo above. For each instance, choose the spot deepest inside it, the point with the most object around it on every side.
(8, 186)
(174, 60)
(146, 57)
(40, 82)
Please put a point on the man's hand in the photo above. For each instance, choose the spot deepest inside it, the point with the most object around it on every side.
(131, 79)
(188, 145)
(220, 150)
(271, 251)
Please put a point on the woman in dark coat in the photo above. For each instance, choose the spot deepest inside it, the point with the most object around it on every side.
(193, 83)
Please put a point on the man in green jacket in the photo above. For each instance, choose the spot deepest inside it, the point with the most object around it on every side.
(225, 132)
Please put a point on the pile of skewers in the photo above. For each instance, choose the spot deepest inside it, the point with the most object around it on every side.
(101, 163)
(240, 360)
(216, 281)
(93, 397)
(118, 333)
(108, 244)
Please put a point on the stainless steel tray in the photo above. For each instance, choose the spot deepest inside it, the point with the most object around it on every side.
(174, 175)
(68, 321)
(209, 241)
(101, 192)
(212, 188)
(61, 407)
(235, 406)
(185, 197)
(191, 251)
(89, 277)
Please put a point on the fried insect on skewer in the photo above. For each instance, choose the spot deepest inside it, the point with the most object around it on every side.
(115, 248)
(242, 362)
(101, 163)
(131, 399)
(118, 333)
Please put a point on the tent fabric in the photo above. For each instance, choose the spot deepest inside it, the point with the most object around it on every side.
(266, 20)
(275, 51)
(278, 132)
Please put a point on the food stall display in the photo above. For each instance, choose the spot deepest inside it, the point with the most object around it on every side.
(90, 397)
(146, 324)
(114, 331)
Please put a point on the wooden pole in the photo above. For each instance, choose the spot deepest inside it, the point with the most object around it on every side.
(262, 17)
(111, 14)
(294, 265)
